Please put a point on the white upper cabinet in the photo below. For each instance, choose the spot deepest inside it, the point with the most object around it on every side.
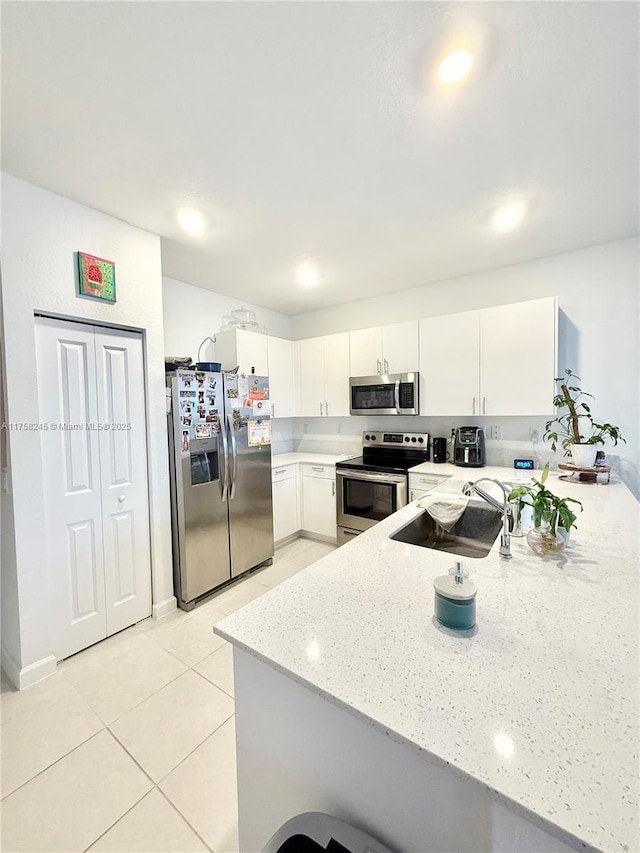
(243, 349)
(518, 358)
(366, 352)
(310, 354)
(450, 364)
(400, 350)
(323, 376)
(336, 375)
(385, 349)
(281, 377)
(495, 361)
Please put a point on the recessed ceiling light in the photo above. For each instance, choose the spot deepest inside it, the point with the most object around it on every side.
(307, 275)
(191, 222)
(509, 216)
(456, 66)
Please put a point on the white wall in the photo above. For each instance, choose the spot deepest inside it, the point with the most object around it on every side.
(41, 233)
(193, 313)
(598, 291)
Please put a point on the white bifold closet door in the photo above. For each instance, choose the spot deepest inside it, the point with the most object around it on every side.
(91, 395)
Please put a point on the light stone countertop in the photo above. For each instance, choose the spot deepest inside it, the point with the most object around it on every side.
(539, 703)
(280, 459)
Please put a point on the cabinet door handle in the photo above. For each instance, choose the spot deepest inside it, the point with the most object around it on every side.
(326, 409)
(280, 471)
(473, 406)
(386, 366)
(316, 468)
(320, 409)
(378, 365)
(273, 410)
(333, 488)
(484, 405)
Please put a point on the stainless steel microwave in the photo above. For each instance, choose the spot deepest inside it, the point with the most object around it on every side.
(386, 394)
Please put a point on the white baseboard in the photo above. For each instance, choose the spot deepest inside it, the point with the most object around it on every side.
(318, 537)
(25, 676)
(164, 607)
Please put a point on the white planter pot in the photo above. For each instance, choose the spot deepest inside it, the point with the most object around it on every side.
(583, 455)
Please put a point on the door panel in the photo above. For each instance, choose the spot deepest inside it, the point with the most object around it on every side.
(281, 377)
(123, 463)
(251, 499)
(400, 347)
(450, 364)
(311, 376)
(319, 506)
(85, 596)
(71, 475)
(336, 375)
(518, 358)
(366, 352)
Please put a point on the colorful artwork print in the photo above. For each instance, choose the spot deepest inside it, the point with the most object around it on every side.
(96, 277)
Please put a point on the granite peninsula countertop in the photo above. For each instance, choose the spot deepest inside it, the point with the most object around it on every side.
(539, 703)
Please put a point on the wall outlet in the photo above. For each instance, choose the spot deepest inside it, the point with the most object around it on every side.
(534, 434)
(496, 432)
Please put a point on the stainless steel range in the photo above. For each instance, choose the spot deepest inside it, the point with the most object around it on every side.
(373, 486)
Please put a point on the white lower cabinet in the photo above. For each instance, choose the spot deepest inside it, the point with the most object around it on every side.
(421, 484)
(319, 500)
(286, 518)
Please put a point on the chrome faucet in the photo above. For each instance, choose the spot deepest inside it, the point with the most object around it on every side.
(504, 508)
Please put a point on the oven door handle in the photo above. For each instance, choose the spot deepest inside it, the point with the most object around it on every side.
(373, 477)
(396, 395)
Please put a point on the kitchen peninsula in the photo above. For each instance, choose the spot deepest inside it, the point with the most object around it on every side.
(520, 735)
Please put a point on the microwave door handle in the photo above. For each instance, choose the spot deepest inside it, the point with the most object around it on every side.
(225, 454)
(396, 394)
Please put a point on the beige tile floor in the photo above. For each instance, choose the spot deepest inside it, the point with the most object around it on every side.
(130, 746)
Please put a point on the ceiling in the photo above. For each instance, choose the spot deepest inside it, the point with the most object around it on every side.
(318, 131)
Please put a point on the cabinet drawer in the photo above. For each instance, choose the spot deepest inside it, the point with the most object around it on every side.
(424, 482)
(283, 472)
(325, 472)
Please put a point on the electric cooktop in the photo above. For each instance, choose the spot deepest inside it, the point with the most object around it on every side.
(389, 452)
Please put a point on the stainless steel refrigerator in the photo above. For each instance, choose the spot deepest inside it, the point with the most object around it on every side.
(220, 466)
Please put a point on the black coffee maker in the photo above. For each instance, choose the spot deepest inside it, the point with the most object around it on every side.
(439, 448)
(469, 448)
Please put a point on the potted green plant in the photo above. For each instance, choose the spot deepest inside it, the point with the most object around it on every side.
(550, 513)
(576, 429)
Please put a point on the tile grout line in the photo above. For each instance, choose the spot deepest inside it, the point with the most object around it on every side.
(53, 763)
(123, 815)
(182, 760)
(142, 701)
(184, 817)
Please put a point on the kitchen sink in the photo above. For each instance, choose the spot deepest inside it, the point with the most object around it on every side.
(471, 536)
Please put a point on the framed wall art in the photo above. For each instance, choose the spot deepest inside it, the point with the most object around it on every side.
(96, 277)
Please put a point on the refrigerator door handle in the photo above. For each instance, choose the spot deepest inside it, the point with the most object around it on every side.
(234, 452)
(225, 453)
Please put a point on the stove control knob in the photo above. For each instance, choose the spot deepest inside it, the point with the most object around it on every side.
(373, 438)
(366, 438)
(421, 440)
(406, 438)
(413, 439)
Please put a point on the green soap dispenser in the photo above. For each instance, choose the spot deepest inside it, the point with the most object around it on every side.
(455, 599)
